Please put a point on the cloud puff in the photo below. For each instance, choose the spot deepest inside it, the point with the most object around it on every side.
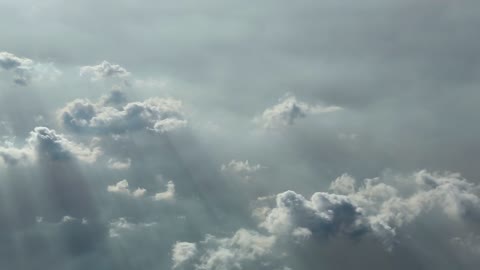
(182, 252)
(122, 187)
(119, 164)
(234, 252)
(46, 143)
(324, 214)
(288, 111)
(104, 70)
(167, 195)
(25, 69)
(241, 168)
(156, 114)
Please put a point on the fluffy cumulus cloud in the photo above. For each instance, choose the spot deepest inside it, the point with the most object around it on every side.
(374, 208)
(104, 70)
(182, 252)
(289, 110)
(122, 188)
(155, 114)
(24, 69)
(45, 143)
(213, 253)
(168, 194)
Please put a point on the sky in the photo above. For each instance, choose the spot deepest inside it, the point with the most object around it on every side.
(230, 135)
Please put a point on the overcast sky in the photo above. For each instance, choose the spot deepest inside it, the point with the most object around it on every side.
(218, 135)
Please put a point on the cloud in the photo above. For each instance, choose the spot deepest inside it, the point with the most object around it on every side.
(241, 168)
(288, 111)
(25, 69)
(375, 207)
(345, 184)
(122, 188)
(122, 225)
(104, 70)
(182, 252)
(46, 143)
(467, 244)
(155, 114)
(167, 195)
(119, 164)
(214, 253)
(324, 214)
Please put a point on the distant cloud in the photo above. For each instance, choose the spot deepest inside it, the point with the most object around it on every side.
(104, 70)
(241, 168)
(119, 164)
(234, 252)
(288, 111)
(167, 195)
(182, 252)
(121, 225)
(46, 143)
(155, 114)
(123, 188)
(26, 69)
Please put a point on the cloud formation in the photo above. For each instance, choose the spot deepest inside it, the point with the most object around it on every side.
(155, 114)
(25, 69)
(122, 188)
(168, 194)
(288, 111)
(46, 143)
(104, 70)
(241, 168)
(374, 208)
(214, 253)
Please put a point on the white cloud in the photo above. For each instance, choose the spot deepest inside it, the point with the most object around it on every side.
(122, 187)
(167, 195)
(104, 70)
(288, 111)
(46, 143)
(215, 253)
(119, 164)
(26, 69)
(344, 184)
(182, 252)
(241, 168)
(122, 225)
(156, 114)
(374, 207)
